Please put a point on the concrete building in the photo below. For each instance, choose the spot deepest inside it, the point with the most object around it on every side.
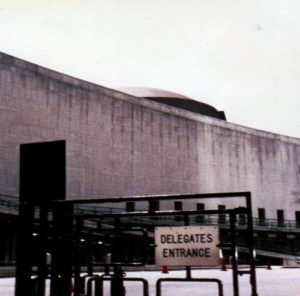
(120, 144)
(141, 142)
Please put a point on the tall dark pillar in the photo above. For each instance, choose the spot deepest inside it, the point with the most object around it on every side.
(42, 180)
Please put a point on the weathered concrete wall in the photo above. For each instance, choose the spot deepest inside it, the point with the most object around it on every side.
(242, 159)
(115, 144)
(121, 145)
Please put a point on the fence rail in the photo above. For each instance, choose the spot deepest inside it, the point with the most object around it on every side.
(11, 203)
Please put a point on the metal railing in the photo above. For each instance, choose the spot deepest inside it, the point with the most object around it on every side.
(8, 203)
(275, 223)
(274, 246)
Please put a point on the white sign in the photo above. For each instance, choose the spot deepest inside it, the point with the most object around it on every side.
(187, 246)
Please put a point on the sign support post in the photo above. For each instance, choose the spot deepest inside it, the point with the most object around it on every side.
(187, 268)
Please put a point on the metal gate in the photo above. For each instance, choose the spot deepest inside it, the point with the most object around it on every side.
(84, 237)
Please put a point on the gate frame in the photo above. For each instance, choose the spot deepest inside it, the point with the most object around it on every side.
(62, 266)
(247, 210)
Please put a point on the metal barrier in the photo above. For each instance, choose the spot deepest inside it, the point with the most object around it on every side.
(117, 285)
(200, 280)
(72, 245)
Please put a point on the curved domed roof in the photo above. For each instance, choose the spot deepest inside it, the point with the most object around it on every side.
(174, 99)
(147, 92)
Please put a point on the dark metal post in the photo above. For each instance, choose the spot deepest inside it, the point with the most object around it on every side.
(55, 284)
(187, 268)
(90, 267)
(42, 245)
(99, 287)
(24, 250)
(117, 285)
(251, 245)
(61, 275)
(232, 216)
(77, 257)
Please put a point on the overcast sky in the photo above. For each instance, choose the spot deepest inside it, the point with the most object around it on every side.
(241, 56)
